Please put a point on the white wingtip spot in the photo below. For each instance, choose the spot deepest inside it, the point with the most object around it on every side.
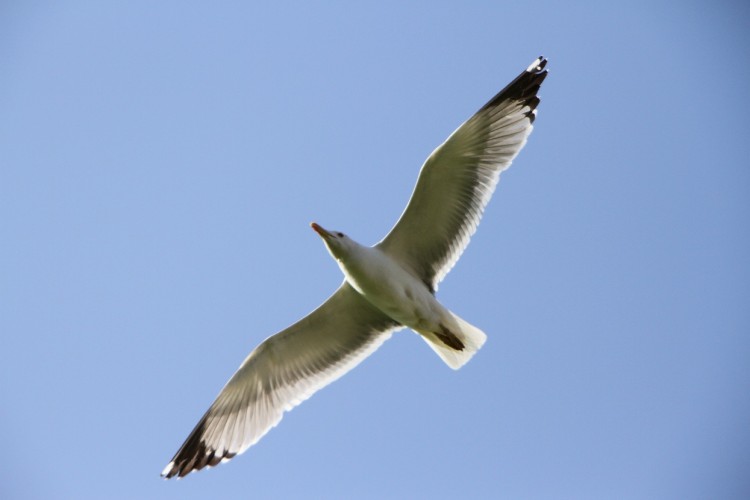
(535, 65)
(167, 469)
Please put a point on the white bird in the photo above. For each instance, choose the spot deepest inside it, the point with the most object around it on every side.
(386, 287)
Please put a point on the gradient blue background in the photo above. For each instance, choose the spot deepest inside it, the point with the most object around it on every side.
(159, 167)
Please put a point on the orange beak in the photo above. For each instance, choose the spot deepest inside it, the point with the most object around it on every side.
(322, 232)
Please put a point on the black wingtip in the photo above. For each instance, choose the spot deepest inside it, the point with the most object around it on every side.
(524, 87)
(194, 455)
(538, 65)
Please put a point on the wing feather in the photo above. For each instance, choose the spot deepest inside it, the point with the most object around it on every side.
(280, 373)
(458, 179)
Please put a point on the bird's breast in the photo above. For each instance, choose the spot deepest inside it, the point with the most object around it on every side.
(391, 288)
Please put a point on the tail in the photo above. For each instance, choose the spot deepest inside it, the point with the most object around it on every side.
(455, 343)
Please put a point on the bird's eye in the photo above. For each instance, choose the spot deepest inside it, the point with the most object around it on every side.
(340, 235)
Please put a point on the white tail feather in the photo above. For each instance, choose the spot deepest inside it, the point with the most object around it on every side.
(470, 336)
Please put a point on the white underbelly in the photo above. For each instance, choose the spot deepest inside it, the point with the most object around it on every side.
(396, 293)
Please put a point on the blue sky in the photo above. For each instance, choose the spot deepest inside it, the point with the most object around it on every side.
(159, 167)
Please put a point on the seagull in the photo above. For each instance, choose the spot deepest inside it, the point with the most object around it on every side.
(386, 287)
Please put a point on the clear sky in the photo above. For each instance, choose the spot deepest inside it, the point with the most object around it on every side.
(160, 163)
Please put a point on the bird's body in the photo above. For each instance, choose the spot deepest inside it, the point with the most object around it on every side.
(386, 287)
(394, 290)
(389, 287)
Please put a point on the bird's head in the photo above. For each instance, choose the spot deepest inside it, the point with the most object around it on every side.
(338, 243)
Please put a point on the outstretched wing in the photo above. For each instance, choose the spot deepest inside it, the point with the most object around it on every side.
(280, 373)
(458, 179)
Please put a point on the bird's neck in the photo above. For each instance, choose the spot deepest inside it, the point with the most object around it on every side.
(366, 267)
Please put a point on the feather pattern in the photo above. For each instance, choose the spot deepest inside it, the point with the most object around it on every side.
(280, 373)
(458, 179)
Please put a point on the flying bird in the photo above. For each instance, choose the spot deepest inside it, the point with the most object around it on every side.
(386, 287)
